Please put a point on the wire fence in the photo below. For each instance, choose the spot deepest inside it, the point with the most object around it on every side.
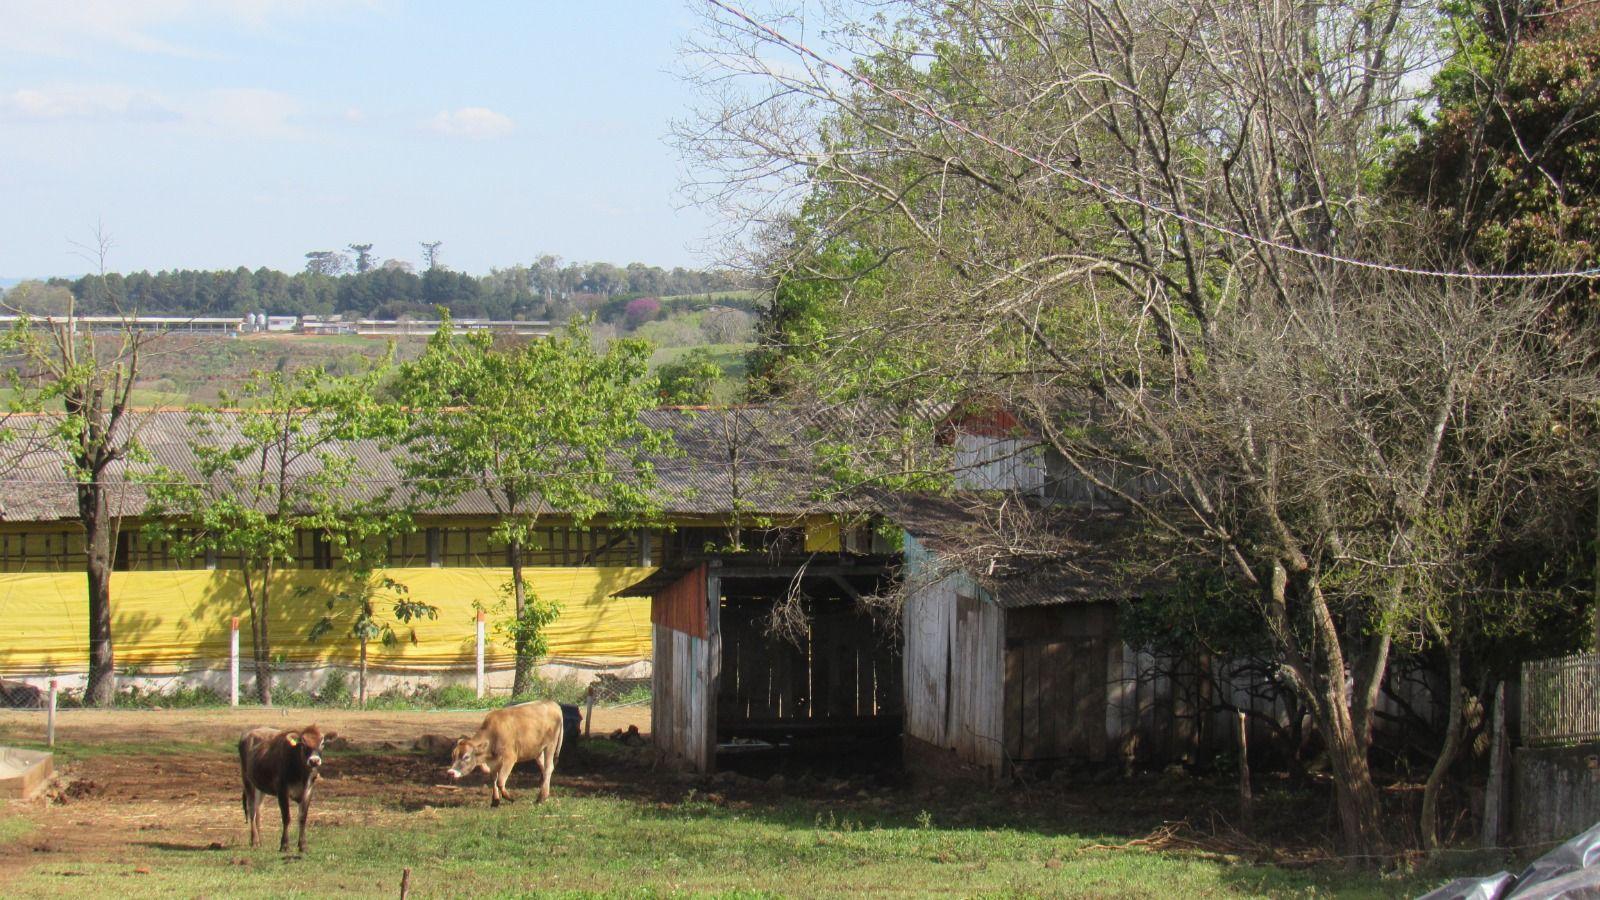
(1561, 700)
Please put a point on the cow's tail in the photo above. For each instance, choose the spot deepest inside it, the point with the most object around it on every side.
(561, 736)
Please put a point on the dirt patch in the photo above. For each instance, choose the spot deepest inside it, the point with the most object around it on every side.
(115, 807)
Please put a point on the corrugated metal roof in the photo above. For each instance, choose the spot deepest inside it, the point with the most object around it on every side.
(757, 460)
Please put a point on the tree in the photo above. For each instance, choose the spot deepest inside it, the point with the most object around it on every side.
(274, 470)
(1511, 152)
(723, 325)
(326, 262)
(364, 261)
(1128, 221)
(691, 379)
(38, 299)
(71, 368)
(430, 255)
(549, 425)
(360, 601)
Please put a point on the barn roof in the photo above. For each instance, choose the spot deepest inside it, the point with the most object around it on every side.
(1026, 553)
(756, 458)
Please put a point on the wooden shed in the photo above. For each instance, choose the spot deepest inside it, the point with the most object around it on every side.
(1014, 664)
(719, 676)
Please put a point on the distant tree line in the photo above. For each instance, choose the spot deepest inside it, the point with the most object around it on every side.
(334, 282)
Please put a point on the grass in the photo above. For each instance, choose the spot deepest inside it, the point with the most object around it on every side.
(697, 844)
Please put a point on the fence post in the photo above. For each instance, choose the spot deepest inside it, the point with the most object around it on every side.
(480, 654)
(233, 662)
(1246, 800)
(1494, 794)
(50, 718)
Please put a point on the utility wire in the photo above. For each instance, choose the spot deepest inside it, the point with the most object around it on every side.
(926, 108)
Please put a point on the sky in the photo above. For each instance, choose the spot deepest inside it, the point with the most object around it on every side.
(219, 133)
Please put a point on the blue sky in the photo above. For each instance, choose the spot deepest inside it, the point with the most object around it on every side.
(219, 133)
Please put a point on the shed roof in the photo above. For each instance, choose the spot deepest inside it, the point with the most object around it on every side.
(755, 458)
(1025, 553)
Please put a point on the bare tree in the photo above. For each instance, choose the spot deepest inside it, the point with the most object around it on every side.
(1153, 226)
(69, 368)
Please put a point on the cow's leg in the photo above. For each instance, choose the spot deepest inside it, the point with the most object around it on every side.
(305, 810)
(252, 813)
(283, 809)
(547, 767)
(494, 788)
(503, 776)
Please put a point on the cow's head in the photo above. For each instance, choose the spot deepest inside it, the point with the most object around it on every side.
(467, 755)
(307, 743)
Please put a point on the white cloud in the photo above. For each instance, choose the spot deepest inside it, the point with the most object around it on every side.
(248, 112)
(472, 122)
(87, 102)
(77, 28)
(228, 112)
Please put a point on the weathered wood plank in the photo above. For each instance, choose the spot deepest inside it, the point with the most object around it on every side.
(1015, 709)
(1033, 687)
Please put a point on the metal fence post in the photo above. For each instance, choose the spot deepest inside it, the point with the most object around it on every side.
(233, 663)
(480, 654)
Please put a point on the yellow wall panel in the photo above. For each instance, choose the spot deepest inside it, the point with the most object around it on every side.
(167, 621)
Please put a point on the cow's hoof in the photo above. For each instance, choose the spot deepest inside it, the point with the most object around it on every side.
(495, 802)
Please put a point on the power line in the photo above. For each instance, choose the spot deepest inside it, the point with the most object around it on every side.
(926, 108)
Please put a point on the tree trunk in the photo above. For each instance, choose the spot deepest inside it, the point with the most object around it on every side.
(523, 681)
(1360, 814)
(99, 542)
(1320, 676)
(260, 647)
(361, 679)
(1447, 755)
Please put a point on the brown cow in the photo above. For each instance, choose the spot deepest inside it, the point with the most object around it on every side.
(509, 736)
(283, 764)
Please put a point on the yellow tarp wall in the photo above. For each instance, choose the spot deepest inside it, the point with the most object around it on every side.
(172, 620)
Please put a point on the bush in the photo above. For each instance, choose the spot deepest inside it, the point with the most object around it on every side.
(336, 690)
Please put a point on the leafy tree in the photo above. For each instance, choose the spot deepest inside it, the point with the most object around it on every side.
(274, 464)
(691, 379)
(641, 310)
(364, 261)
(430, 255)
(326, 262)
(1511, 153)
(360, 601)
(549, 425)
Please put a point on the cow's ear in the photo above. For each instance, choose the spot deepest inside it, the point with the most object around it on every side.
(293, 739)
(329, 736)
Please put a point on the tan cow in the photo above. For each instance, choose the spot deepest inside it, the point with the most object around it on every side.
(509, 736)
(283, 764)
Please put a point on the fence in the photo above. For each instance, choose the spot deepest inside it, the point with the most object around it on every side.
(1561, 700)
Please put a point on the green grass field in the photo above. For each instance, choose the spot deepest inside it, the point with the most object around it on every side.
(696, 844)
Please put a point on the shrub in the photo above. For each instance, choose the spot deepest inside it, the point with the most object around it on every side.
(335, 689)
